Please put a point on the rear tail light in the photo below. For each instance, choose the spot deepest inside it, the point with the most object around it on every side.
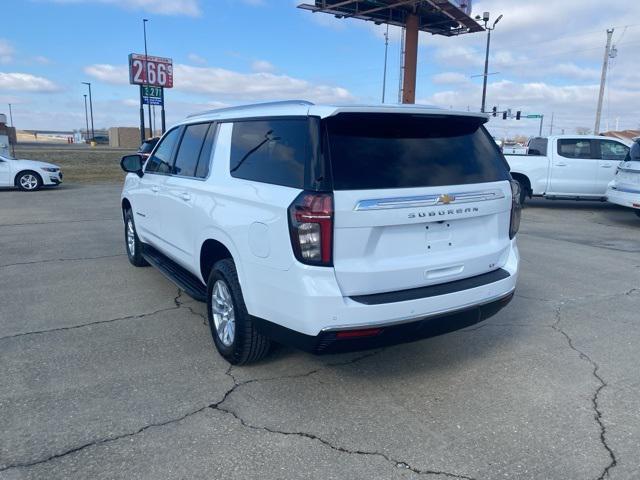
(516, 209)
(311, 228)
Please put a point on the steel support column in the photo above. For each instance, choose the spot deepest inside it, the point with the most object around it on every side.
(410, 59)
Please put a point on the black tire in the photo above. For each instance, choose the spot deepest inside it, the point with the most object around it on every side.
(247, 345)
(28, 181)
(134, 248)
(523, 192)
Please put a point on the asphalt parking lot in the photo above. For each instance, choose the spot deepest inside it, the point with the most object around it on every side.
(108, 371)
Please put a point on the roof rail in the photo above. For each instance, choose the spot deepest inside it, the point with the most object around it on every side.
(253, 105)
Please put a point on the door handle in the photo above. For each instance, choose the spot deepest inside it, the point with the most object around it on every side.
(561, 165)
(185, 196)
(154, 188)
(607, 165)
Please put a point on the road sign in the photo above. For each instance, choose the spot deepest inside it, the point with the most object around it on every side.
(152, 95)
(158, 73)
(534, 116)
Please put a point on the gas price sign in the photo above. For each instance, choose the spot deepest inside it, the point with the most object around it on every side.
(158, 71)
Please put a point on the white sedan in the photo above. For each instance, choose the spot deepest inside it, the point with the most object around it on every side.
(28, 175)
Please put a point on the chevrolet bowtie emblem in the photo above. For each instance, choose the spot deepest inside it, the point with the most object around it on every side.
(446, 199)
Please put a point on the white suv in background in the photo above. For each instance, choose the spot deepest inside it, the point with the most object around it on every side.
(329, 228)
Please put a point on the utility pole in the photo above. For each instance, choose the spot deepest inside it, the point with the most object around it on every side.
(10, 115)
(541, 120)
(551, 126)
(86, 118)
(485, 18)
(93, 134)
(603, 79)
(146, 67)
(386, 50)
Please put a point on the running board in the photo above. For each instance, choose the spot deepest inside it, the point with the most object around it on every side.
(177, 274)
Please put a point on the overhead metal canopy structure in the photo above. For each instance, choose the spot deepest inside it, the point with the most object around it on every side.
(438, 17)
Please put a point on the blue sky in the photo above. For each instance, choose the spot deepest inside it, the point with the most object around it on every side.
(237, 51)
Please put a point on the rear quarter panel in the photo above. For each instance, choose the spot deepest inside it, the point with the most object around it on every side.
(534, 167)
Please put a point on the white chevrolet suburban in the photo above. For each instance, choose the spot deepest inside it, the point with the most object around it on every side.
(577, 167)
(329, 228)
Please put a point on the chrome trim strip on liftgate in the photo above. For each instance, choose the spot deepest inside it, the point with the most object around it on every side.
(429, 200)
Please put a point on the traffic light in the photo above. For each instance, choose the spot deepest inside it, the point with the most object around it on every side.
(495, 111)
(504, 115)
(518, 115)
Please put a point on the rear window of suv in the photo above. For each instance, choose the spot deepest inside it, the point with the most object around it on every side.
(270, 151)
(375, 151)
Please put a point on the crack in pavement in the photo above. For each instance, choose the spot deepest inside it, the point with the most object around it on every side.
(182, 417)
(62, 260)
(397, 463)
(594, 399)
(176, 301)
(97, 322)
(237, 384)
(180, 304)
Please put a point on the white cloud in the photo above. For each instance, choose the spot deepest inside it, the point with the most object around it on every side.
(262, 66)
(6, 51)
(449, 78)
(162, 7)
(229, 85)
(253, 86)
(573, 105)
(197, 59)
(25, 82)
(113, 74)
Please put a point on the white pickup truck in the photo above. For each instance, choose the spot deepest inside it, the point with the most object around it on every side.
(575, 167)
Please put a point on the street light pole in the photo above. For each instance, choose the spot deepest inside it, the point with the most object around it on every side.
(146, 72)
(485, 18)
(86, 118)
(93, 133)
(386, 50)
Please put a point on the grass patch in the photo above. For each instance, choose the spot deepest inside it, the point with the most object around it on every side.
(78, 164)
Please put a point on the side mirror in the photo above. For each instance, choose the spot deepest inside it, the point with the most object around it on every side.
(132, 164)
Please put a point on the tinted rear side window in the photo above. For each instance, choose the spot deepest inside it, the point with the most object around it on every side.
(189, 150)
(574, 148)
(270, 151)
(160, 161)
(373, 151)
(202, 169)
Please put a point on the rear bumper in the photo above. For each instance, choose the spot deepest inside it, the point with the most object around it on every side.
(431, 326)
(308, 300)
(627, 197)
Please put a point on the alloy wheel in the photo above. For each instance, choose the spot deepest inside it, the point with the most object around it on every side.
(29, 181)
(223, 313)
